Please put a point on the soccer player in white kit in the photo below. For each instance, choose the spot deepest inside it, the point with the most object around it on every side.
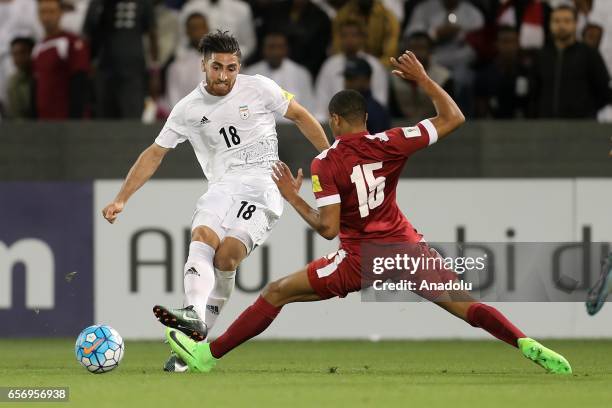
(229, 121)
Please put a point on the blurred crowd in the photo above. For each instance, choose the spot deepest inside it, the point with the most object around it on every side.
(135, 59)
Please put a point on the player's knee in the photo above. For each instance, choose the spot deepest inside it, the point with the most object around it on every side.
(203, 234)
(225, 261)
(273, 292)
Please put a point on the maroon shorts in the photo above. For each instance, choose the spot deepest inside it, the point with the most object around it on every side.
(340, 273)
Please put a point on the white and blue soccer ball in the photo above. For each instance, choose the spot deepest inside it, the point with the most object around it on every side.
(99, 349)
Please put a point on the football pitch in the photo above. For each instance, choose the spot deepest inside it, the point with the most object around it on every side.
(342, 374)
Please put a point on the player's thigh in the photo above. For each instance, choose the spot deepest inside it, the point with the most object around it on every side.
(289, 289)
(211, 209)
(229, 254)
(253, 215)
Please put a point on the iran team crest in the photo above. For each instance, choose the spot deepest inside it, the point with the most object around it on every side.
(244, 112)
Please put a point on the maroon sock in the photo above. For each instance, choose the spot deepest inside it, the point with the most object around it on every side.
(491, 320)
(254, 320)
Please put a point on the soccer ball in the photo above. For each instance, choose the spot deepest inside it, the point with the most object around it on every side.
(99, 349)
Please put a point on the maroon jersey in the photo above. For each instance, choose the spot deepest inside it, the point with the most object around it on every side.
(361, 171)
(56, 59)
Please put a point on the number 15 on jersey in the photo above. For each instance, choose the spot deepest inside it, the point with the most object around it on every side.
(370, 189)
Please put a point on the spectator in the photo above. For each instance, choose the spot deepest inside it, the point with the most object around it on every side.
(185, 72)
(116, 29)
(528, 17)
(231, 15)
(305, 24)
(20, 87)
(592, 34)
(357, 75)
(502, 85)
(410, 100)
(380, 25)
(276, 65)
(448, 22)
(330, 79)
(18, 18)
(569, 79)
(61, 68)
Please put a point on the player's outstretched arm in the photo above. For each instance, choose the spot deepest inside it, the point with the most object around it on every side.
(449, 116)
(142, 170)
(326, 220)
(308, 125)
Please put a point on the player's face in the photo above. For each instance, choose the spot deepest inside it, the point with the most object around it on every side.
(50, 13)
(221, 72)
(563, 25)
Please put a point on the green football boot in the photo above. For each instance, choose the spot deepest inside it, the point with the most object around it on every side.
(197, 355)
(185, 320)
(551, 361)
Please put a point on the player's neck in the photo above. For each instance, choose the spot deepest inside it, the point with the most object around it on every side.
(349, 130)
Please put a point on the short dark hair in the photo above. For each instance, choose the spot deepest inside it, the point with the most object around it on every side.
(351, 22)
(349, 105)
(420, 35)
(506, 29)
(567, 7)
(27, 41)
(196, 15)
(220, 42)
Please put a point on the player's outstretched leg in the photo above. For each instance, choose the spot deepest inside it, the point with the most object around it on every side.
(599, 292)
(202, 357)
(493, 321)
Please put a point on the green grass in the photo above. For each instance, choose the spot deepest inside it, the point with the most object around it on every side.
(342, 374)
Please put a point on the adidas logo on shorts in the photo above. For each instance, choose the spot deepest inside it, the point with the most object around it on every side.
(213, 309)
(192, 271)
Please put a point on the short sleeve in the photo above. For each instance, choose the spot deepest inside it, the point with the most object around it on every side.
(174, 131)
(323, 183)
(275, 98)
(402, 142)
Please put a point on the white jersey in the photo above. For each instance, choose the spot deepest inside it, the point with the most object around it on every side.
(232, 134)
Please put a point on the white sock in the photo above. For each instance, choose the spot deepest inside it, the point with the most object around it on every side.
(224, 285)
(199, 276)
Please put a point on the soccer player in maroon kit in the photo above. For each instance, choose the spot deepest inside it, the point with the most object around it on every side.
(354, 182)
(61, 66)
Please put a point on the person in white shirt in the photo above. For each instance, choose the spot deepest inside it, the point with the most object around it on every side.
(331, 79)
(229, 121)
(185, 72)
(290, 75)
(232, 15)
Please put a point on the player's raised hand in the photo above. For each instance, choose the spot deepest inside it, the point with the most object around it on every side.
(111, 211)
(408, 67)
(288, 186)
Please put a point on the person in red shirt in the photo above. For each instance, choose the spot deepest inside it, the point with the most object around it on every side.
(61, 67)
(354, 182)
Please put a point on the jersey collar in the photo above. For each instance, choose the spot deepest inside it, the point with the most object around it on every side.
(352, 135)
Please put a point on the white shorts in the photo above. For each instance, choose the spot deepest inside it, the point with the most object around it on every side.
(245, 208)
